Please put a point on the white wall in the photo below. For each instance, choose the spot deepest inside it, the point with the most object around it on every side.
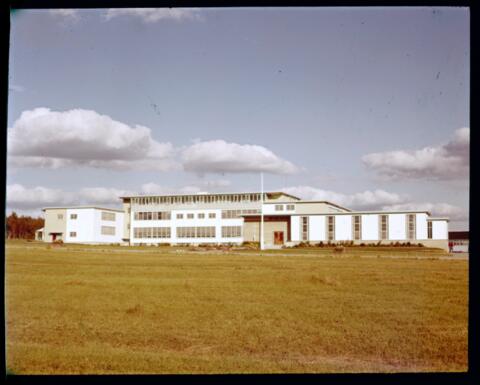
(118, 224)
(269, 208)
(295, 228)
(88, 226)
(343, 227)
(439, 230)
(173, 223)
(421, 226)
(316, 226)
(370, 227)
(83, 225)
(396, 227)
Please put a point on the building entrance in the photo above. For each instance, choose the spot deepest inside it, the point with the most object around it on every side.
(278, 237)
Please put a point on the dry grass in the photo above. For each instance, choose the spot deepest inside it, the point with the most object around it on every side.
(80, 309)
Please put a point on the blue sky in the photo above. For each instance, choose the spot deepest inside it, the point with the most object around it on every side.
(367, 107)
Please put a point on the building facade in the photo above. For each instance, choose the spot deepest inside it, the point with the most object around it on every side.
(82, 224)
(235, 218)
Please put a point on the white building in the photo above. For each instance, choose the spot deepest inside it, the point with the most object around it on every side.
(82, 224)
(236, 217)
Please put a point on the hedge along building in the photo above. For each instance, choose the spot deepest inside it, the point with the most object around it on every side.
(235, 218)
(82, 224)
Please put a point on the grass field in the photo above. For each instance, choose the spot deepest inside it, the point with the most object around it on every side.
(101, 309)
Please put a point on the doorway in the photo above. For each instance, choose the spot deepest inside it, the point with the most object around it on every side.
(278, 237)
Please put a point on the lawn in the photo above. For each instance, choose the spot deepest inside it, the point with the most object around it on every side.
(107, 309)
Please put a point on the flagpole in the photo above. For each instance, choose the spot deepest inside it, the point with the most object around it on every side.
(262, 246)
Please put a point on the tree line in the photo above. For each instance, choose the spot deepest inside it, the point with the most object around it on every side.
(22, 226)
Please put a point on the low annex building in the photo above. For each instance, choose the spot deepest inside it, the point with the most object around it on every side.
(81, 224)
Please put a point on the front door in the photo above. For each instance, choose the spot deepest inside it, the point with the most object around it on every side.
(54, 237)
(278, 237)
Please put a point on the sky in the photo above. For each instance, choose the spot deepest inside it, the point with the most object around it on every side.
(365, 107)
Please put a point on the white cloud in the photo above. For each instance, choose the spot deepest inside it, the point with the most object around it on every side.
(22, 198)
(218, 156)
(366, 200)
(50, 139)
(152, 15)
(378, 200)
(69, 14)
(448, 161)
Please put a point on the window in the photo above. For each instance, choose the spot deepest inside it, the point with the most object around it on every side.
(185, 232)
(179, 216)
(73, 234)
(196, 232)
(190, 216)
(290, 207)
(108, 230)
(229, 214)
(411, 226)
(429, 229)
(357, 227)
(330, 228)
(201, 216)
(211, 215)
(106, 216)
(304, 228)
(278, 207)
(383, 226)
(205, 232)
(59, 216)
(164, 215)
(231, 231)
(73, 216)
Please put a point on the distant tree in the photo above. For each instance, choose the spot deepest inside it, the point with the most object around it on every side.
(23, 226)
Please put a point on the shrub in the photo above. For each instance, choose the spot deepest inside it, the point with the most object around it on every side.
(362, 244)
(320, 244)
(339, 249)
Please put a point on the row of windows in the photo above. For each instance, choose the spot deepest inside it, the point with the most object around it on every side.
(231, 231)
(106, 216)
(149, 215)
(228, 214)
(196, 232)
(151, 232)
(357, 227)
(198, 199)
(187, 232)
(282, 207)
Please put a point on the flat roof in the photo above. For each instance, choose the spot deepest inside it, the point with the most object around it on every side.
(438, 219)
(80, 207)
(207, 194)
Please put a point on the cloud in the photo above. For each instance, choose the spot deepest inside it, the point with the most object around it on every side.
(379, 200)
(366, 200)
(69, 14)
(50, 139)
(31, 200)
(444, 162)
(22, 198)
(152, 15)
(218, 156)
